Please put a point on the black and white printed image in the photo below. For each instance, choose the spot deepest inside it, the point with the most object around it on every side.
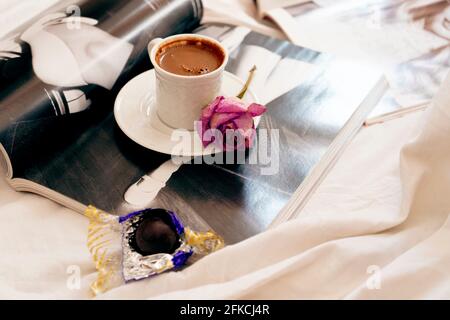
(69, 55)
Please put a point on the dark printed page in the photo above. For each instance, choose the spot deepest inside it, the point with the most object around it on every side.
(59, 74)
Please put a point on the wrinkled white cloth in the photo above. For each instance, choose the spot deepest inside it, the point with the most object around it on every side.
(377, 227)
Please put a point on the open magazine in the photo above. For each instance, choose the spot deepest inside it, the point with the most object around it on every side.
(60, 74)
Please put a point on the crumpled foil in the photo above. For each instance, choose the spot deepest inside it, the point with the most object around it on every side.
(137, 266)
(116, 260)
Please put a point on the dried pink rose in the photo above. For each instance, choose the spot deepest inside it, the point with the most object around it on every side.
(231, 120)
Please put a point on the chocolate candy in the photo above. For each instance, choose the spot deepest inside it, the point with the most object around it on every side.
(154, 234)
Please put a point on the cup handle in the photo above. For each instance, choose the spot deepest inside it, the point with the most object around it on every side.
(152, 44)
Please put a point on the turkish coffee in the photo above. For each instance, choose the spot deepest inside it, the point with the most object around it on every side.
(190, 57)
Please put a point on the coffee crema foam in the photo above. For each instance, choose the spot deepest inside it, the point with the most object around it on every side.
(190, 57)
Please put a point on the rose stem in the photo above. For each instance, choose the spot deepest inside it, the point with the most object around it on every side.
(247, 83)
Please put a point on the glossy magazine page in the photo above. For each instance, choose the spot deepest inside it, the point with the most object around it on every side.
(78, 150)
(65, 67)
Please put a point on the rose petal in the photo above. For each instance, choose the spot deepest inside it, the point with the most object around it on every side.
(230, 113)
(219, 119)
(245, 121)
(211, 108)
(211, 136)
(231, 104)
(205, 119)
(238, 140)
(243, 129)
(256, 109)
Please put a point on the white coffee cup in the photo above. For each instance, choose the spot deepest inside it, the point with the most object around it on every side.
(180, 99)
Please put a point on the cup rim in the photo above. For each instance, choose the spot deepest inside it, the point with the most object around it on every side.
(181, 37)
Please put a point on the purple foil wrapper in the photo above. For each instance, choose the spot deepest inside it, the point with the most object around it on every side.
(180, 258)
(177, 223)
(136, 266)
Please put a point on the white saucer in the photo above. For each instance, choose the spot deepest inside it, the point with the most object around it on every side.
(135, 114)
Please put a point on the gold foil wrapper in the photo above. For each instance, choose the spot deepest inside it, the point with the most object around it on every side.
(203, 242)
(103, 242)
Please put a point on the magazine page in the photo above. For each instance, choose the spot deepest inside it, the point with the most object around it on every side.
(236, 200)
(64, 68)
(415, 55)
